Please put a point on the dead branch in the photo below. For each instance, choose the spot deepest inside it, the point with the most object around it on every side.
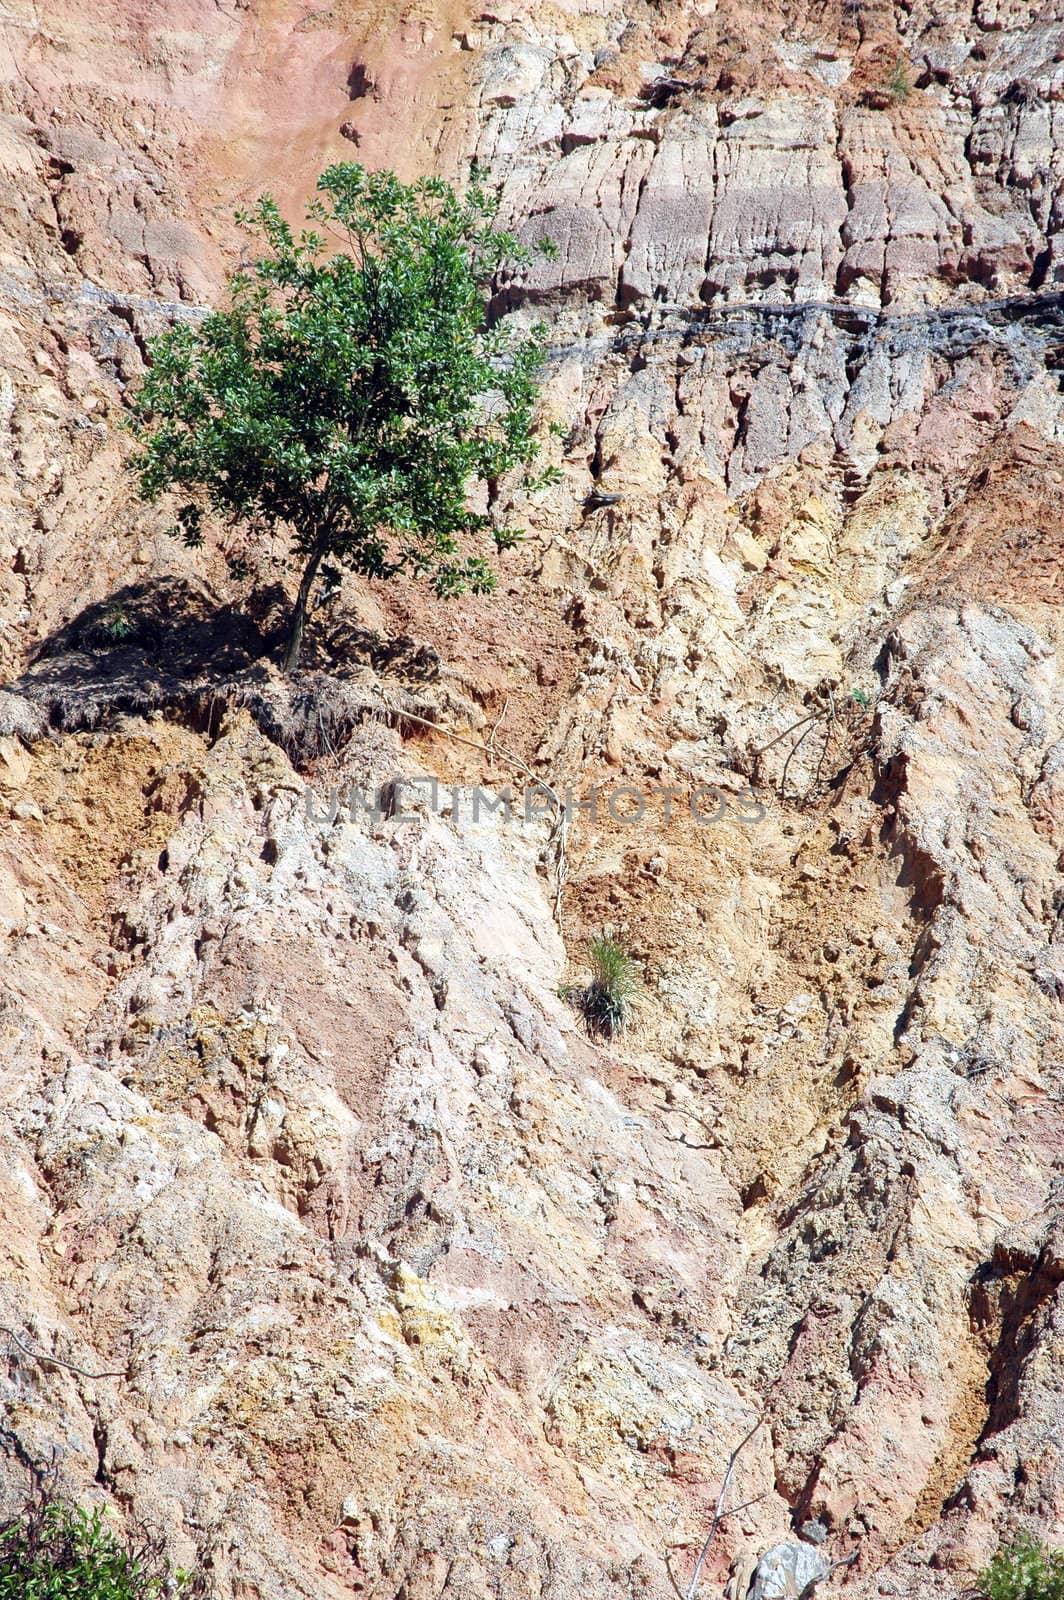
(719, 1515)
(677, 1591)
(792, 752)
(793, 728)
(494, 731)
(832, 726)
(824, 717)
(733, 1511)
(55, 1361)
(807, 1592)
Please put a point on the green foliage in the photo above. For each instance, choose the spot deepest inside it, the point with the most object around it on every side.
(900, 82)
(861, 697)
(1024, 1570)
(354, 398)
(55, 1551)
(116, 624)
(608, 1000)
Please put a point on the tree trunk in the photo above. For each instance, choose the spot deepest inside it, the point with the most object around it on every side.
(299, 614)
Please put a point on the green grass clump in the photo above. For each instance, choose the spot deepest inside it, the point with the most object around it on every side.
(55, 1551)
(1024, 1570)
(609, 999)
(900, 82)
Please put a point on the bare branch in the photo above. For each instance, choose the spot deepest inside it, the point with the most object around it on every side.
(55, 1361)
(807, 1592)
(677, 1591)
(494, 731)
(832, 728)
(744, 1505)
(790, 757)
(793, 728)
(720, 1513)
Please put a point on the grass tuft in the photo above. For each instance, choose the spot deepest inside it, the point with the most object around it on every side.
(900, 82)
(608, 1001)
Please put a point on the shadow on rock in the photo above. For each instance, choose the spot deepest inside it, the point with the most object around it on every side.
(171, 647)
(171, 627)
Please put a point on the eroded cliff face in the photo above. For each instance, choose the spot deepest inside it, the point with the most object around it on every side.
(402, 1284)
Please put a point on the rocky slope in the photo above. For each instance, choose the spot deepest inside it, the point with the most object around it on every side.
(372, 1272)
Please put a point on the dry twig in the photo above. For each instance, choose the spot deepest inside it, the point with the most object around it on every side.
(807, 1592)
(719, 1515)
(494, 731)
(826, 718)
(55, 1361)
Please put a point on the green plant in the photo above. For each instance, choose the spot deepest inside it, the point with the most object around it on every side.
(608, 1001)
(116, 624)
(1024, 1570)
(56, 1551)
(354, 399)
(900, 82)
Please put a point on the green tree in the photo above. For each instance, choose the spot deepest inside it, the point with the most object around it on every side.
(55, 1551)
(355, 398)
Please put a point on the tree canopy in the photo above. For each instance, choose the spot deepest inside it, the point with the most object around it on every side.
(353, 396)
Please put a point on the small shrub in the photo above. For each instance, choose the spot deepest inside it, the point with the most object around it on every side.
(55, 1551)
(116, 624)
(609, 999)
(1024, 1570)
(900, 82)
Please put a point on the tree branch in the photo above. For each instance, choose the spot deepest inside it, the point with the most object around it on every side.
(719, 1514)
(56, 1361)
(807, 1592)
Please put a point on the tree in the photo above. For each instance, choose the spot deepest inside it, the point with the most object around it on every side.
(354, 399)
